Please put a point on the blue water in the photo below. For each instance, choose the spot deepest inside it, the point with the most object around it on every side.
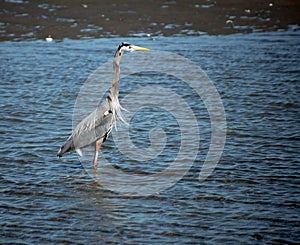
(251, 197)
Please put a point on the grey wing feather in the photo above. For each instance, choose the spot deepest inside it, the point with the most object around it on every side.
(95, 126)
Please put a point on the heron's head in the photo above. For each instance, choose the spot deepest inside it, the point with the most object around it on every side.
(129, 47)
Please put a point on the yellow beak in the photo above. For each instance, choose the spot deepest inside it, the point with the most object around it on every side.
(137, 48)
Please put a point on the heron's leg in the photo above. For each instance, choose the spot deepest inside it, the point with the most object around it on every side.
(98, 145)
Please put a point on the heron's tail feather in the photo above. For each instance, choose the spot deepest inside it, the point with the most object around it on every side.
(79, 152)
(67, 147)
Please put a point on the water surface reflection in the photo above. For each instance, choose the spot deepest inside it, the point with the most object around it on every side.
(253, 194)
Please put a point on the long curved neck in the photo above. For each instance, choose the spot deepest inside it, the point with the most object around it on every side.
(112, 98)
(114, 90)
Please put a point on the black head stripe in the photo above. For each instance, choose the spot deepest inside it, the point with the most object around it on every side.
(123, 44)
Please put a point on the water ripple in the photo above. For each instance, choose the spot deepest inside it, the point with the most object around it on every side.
(251, 197)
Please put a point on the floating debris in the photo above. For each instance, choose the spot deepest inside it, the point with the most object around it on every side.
(230, 23)
(49, 38)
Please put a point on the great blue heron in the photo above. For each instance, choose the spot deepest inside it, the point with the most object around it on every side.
(95, 128)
